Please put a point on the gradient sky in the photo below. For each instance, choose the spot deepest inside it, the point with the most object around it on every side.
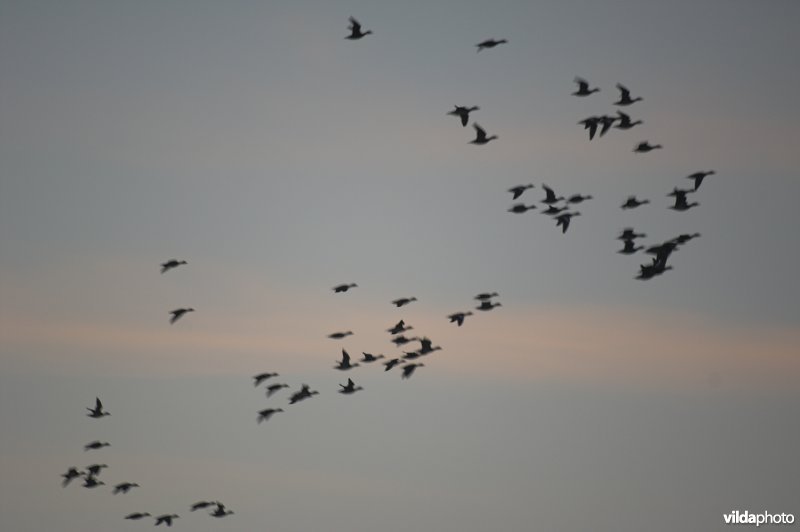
(279, 159)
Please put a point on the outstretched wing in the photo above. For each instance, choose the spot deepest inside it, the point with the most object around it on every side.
(479, 131)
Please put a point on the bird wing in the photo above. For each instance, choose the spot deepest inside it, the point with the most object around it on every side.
(464, 119)
(480, 132)
(355, 25)
(625, 94)
(345, 358)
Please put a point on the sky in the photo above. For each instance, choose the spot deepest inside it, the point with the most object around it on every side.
(280, 159)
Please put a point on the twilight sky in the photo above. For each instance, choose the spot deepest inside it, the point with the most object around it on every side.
(252, 140)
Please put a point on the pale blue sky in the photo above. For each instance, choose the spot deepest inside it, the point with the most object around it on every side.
(280, 159)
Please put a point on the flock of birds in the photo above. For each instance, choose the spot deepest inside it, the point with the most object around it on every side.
(558, 207)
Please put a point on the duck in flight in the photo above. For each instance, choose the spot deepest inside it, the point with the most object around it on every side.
(644, 147)
(463, 113)
(408, 370)
(487, 305)
(578, 198)
(220, 511)
(458, 317)
(97, 411)
(629, 247)
(550, 196)
(389, 364)
(170, 264)
(261, 377)
(91, 482)
(125, 487)
(178, 314)
(680, 200)
(625, 121)
(403, 301)
(402, 340)
(583, 88)
(480, 136)
(340, 335)
(96, 445)
(369, 357)
(344, 287)
(563, 220)
(632, 203)
(166, 519)
(349, 388)
(355, 30)
(137, 515)
(95, 469)
(485, 296)
(519, 208)
(518, 190)
(699, 176)
(399, 328)
(625, 96)
(201, 504)
(629, 234)
(490, 43)
(72, 473)
(304, 393)
(267, 413)
(344, 363)
(272, 388)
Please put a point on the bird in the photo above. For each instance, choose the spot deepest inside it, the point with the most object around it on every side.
(96, 445)
(408, 370)
(403, 301)
(72, 473)
(632, 202)
(368, 357)
(349, 388)
(682, 239)
(625, 96)
(680, 200)
(629, 248)
(625, 121)
(583, 88)
(699, 176)
(97, 411)
(178, 313)
(399, 327)
(605, 121)
(355, 30)
(91, 482)
(201, 504)
(518, 190)
(272, 388)
(304, 393)
(427, 346)
(486, 295)
(490, 43)
(463, 113)
(578, 198)
(267, 413)
(519, 208)
(644, 147)
(389, 364)
(411, 355)
(261, 377)
(563, 220)
(552, 210)
(629, 234)
(340, 335)
(648, 271)
(550, 196)
(591, 124)
(402, 340)
(166, 519)
(220, 511)
(124, 487)
(487, 305)
(480, 135)
(95, 469)
(343, 287)
(458, 317)
(344, 363)
(170, 264)
(138, 515)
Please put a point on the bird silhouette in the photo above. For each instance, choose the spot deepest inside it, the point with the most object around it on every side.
(644, 147)
(340, 335)
(344, 363)
(95, 469)
(178, 313)
(124, 487)
(486, 295)
(625, 96)
(458, 317)
(578, 198)
(629, 247)
(632, 202)
(518, 190)
(264, 415)
(583, 88)
(408, 369)
(463, 113)
(91, 482)
(629, 234)
(368, 357)
(97, 411)
(272, 388)
(403, 301)
(399, 327)
(343, 287)
(550, 196)
(402, 340)
(95, 445)
(220, 511)
(166, 519)
(487, 305)
(138, 515)
(349, 388)
(389, 364)
(680, 200)
(699, 176)
(261, 377)
(519, 208)
(480, 135)
(355, 30)
(625, 121)
(304, 393)
(170, 264)
(72, 473)
(490, 43)
(563, 220)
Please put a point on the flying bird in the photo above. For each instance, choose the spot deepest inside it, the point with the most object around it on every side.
(487, 305)
(563, 220)
(518, 190)
(340, 335)
(355, 30)
(699, 176)
(220, 511)
(402, 340)
(136, 516)
(550, 196)
(95, 469)
(480, 135)
(408, 370)
(97, 411)
(583, 88)
(519, 208)
(170, 264)
(124, 487)
(272, 388)
(490, 43)
(403, 301)
(261, 377)
(201, 504)
(629, 234)
(72, 473)
(349, 388)
(625, 121)
(264, 415)
(486, 295)
(680, 200)
(644, 147)
(344, 363)
(629, 247)
(625, 96)
(578, 198)
(95, 445)
(463, 113)
(166, 519)
(304, 393)
(389, 364)
(92, 482)
(632, 203)
(399, 327)
(178, 313)
(369, 357)
(343, 287)
(458, 317)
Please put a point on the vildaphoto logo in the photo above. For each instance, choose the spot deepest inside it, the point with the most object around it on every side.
(764, 518)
